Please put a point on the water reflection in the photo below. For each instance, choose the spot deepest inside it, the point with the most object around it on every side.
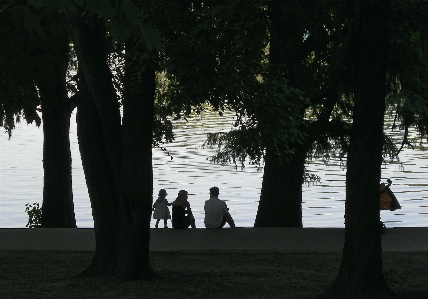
(185, 166)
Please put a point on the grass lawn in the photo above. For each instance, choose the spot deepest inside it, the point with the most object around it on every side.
(200, 275)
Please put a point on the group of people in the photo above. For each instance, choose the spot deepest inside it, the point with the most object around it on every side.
(216, 211)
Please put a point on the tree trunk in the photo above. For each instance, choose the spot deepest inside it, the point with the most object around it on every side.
(57, 207)
(91, 50)
(361, 272)
(117, 158)
(137, 174)
(98, 128)
(100, 180)
(281, 198)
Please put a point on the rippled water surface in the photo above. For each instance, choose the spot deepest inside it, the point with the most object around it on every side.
(185, 166)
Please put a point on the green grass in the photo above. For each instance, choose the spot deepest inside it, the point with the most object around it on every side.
(200, 275)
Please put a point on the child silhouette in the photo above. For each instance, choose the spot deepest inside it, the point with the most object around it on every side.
(160, 209)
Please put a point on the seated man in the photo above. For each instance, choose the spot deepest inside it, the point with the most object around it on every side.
(216, 211)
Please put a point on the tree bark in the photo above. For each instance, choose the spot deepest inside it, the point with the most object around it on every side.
(99, 134)
(91, 49)
(100, 180)
(137, 174)
(361, 272)
(58, 206)
(117, 157)
(281, 198)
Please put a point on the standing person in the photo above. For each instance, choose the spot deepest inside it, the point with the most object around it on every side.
(216, 211)
(182, 216)
(160, 208)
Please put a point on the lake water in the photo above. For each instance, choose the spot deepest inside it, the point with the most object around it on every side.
(186, 167)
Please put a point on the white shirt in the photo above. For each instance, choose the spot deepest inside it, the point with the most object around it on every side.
(215, 210)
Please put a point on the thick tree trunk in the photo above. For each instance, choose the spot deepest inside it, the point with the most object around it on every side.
(137, 174)
(91, 49)
(57, 207)
(99, 133)
(361, 272)
(281, 198)
(100, 180)
(117, 158)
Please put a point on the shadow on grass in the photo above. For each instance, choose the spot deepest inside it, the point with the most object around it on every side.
(200, 275)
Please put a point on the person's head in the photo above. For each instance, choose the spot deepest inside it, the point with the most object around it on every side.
(162, 193)
(182, 194)
(214, 191)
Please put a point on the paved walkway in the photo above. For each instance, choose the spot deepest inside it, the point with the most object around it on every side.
(201, 239)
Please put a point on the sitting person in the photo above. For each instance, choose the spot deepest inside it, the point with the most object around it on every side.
(182, 216)
(216, 211)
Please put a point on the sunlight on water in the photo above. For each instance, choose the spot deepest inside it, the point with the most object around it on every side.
(185, 166)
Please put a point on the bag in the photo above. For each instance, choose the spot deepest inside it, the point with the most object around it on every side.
(387, 200)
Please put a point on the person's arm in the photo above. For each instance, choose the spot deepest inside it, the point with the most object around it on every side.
(188, 209)
(229, 220)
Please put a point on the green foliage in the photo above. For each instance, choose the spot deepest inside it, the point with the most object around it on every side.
(18, 94)
(213, 54)
(337, 147)
(162, 124)
(224, 45)
(27, 60)
(236, 146)
(34, 215)
(26, 29)
(408, 67)
(310, 178)
(328, 148)
(274, 83)
(123, 18)
(320, 67)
